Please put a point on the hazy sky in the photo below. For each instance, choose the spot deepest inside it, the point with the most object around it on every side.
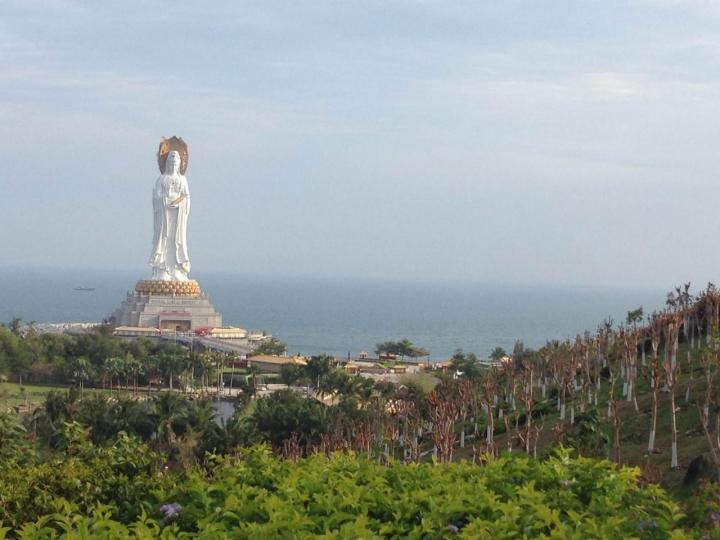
(515, 141)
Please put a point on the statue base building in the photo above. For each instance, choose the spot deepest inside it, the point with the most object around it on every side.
(168, 305)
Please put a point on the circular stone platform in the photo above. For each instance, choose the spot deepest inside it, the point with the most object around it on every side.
(190, 288)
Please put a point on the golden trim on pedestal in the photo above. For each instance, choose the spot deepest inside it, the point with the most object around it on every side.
(190, 288)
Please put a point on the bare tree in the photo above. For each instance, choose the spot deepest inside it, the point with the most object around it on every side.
(526, 394)
(489, 388)
(714, 444)
(629, 338)
(656, 325)
(684, 300)
(443, 408)
(465, 397)
(709, 361)
(672, 368)
(613, 412)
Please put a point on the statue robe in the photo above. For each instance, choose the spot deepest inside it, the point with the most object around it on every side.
(169, 257)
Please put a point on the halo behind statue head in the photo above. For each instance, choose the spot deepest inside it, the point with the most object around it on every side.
(167, 146)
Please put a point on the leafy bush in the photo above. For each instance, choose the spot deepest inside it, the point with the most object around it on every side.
(278, 416)
(704, 510)
(590, 436)
(261, 496)
(79, 478)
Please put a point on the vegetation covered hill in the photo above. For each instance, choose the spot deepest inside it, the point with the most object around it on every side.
(641, 393)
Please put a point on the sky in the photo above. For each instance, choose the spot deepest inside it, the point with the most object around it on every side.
(532, 142)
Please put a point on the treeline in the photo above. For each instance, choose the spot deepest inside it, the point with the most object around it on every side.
(100, 359)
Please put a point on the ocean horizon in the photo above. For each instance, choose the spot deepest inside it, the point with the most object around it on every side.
(341, 316)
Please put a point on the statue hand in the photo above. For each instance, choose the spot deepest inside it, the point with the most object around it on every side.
(176, 202)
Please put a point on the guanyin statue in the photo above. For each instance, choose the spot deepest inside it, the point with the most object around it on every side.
(171, 207)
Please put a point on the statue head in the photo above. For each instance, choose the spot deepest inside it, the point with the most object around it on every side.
(172, 165)
(173, 144)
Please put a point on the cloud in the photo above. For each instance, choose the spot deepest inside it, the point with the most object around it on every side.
(100, 96)
(706, 7)
(609, 85)
(590, 87)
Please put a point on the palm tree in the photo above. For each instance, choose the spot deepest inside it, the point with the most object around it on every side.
(205, 366)
(95, 414)
(172, 364)
(80, 369)
(203, 415)
(113, 368)
(171, 412)
(220, 369)
(497, 354)
(254, 372)
(133, 368)
(131, 416)
(318, 367)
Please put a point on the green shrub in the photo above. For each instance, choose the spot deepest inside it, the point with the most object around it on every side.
(123, 477)
(261, 496)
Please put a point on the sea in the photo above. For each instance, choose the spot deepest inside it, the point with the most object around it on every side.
(343, 316)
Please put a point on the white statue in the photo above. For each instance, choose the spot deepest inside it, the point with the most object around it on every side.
(171, 207)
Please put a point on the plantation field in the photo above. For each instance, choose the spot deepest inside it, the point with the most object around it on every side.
(655, 467)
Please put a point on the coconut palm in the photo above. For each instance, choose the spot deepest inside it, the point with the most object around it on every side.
(202, 415)
(113, 368)
(171, 417)
(80, 370)
(131, 416)
(95, 414)
(319, 367)
(205, 365)
(172, 364)
(133, 368)
(254, 371)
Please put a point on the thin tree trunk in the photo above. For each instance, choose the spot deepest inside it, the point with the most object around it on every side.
(490, 430)
(674, 456)
(653, 421)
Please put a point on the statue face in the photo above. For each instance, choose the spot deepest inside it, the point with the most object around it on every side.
(172, 165)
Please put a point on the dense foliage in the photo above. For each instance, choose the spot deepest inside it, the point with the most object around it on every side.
(90, 492)
(100, 359)
(401, 348)
(76, 477)
(271, 346)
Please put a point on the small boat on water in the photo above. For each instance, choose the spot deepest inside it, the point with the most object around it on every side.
(84, 288)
